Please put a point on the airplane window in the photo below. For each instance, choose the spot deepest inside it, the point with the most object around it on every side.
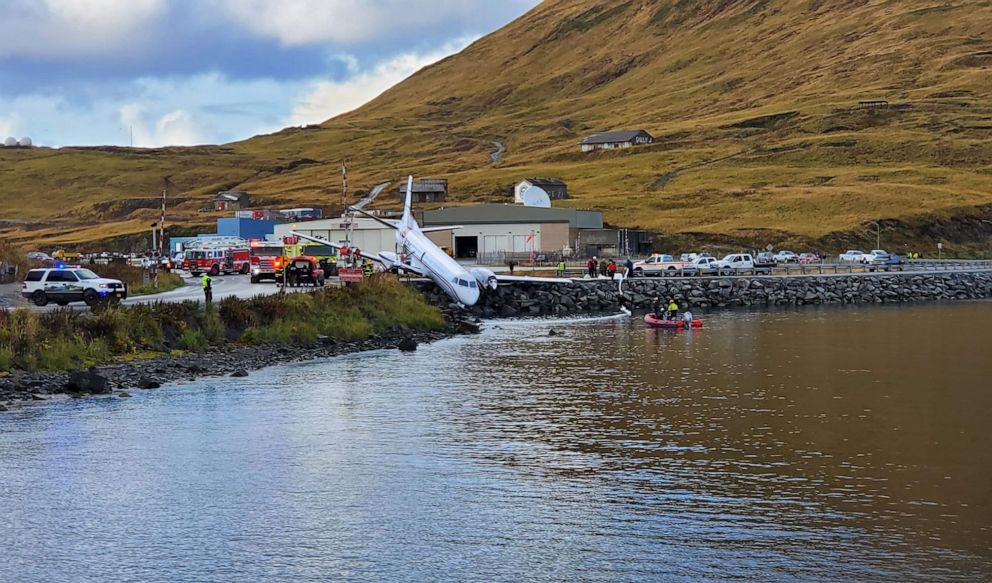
(462, 283)
(471, 284)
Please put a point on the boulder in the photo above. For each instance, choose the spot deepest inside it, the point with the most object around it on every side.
(407, 345)
(240, 373)
(464, 327)
(91, 382)
(147, 383)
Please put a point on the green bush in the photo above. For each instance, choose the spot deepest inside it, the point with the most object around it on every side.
(71, 353)
(65, 339)
(193, 340)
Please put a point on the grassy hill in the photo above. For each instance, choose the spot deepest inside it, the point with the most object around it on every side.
(753, 104)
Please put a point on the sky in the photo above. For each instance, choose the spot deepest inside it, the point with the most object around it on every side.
(184, 72)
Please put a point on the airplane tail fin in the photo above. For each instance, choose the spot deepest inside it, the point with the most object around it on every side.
(408, 220)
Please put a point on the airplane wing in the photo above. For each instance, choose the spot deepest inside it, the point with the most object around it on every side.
(436, 229)
(525, 279)
(320, 241)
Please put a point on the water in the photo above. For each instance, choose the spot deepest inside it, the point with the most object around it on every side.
(835, 444)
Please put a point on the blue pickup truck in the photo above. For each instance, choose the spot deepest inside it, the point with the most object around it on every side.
(891, 263)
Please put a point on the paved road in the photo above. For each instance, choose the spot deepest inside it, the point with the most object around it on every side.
(224, 286)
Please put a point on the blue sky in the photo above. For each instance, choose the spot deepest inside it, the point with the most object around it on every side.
(183, 72)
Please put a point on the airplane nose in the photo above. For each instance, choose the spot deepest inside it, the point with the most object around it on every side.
(470, 297)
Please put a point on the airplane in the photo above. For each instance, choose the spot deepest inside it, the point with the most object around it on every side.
(425, 258)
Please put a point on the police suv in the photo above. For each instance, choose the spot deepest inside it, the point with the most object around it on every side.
(64, 284)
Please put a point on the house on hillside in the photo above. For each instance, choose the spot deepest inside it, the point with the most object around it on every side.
(231, 200)
(614, 140)
(555, 187)
(427, 190)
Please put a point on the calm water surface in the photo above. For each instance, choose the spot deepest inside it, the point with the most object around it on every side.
(807, 445)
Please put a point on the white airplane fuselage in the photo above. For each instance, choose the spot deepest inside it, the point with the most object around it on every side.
(434, 263)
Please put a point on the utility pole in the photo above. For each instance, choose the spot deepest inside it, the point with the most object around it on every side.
(161, 223)
(878, 234)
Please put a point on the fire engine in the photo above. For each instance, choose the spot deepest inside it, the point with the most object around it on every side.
(267, 260)
(216, 255)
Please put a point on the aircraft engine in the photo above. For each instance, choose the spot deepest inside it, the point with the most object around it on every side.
(487, 279)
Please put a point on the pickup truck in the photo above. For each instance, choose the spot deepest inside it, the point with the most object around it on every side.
(738, 262)
(659, 264)
(876, 257)
(891, 263)
(703, 266)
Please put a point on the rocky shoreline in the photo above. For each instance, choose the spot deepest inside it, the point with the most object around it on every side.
(119, 378)
(595, 296)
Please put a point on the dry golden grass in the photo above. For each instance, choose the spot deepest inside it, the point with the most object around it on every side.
(702, 76)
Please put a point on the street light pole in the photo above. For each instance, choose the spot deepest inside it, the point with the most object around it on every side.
(878, 234)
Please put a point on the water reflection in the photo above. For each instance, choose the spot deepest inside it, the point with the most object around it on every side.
(822, 444)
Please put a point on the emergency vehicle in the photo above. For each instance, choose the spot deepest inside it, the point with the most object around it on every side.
(70, 283)
(217, 255)
(267, 260)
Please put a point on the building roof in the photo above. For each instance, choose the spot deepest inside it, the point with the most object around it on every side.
(511, 214)
(231, 195)
(614, 137)
(546, 181)
(428, 185)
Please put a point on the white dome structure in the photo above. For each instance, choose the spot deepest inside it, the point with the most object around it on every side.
(536, 196)
(25, 141)
(10, 142)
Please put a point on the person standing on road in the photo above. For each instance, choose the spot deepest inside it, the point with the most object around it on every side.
(630, 268)
(611, 268)
(561, 268)
(208, 292)
(602, 267)
(591, 266)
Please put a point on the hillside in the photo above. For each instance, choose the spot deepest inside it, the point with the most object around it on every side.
(753, 104)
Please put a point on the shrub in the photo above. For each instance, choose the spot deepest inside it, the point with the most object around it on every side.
(193, 340)
(70, 353)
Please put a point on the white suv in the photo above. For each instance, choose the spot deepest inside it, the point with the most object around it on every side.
(70, 284)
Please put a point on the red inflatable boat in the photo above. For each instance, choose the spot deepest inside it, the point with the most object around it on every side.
(650, 320)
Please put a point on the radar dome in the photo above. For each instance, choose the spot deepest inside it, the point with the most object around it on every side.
(537, 197)
(25, 141)
(11, 141)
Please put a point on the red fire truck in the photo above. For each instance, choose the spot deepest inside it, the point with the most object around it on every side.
(267, 260)
(217, 255)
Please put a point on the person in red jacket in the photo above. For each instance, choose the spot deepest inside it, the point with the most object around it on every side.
(611, 268)
(591, 267)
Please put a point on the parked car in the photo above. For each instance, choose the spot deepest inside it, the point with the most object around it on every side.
(764, 263)
(786, 257)
(892, 263)
(808, 258)
(659, 264)
(40, 257)
(876, 257)
(737, 262)
(70, 284)
(304, 270)
(851, 255)
(703, 266)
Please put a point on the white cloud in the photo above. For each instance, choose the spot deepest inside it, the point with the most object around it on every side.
(297, 22)
(326, 99)
(50, 28)
(10, 126)
(176, 128)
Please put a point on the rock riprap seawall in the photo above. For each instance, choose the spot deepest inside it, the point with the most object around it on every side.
(526, 299)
